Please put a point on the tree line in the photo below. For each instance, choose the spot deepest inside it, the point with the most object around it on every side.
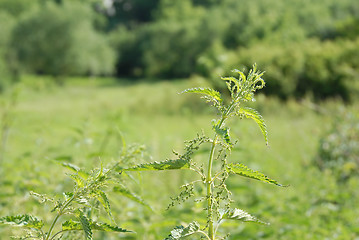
(305, 47)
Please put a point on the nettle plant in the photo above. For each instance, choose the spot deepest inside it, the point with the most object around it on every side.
(77, 212)
(217, 199)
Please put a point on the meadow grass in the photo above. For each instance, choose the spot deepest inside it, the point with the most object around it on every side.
(80, 122)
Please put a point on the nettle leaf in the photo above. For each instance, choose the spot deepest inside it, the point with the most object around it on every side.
(245, 171)
(232, 84)
(80, 182)
(86, 226)
(124, 191)
(241, 215)
(253, 114)
(76, 169)
(164, 165)
(71, 225)
(108, 228)
(71, 166)
(41, 197)
(25, 220)
(224, 133)
(102, 198)
(212, 94)
(179, 232)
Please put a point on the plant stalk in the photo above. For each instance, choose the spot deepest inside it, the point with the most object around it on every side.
(58, 216)
(209, 191)
(209, 180)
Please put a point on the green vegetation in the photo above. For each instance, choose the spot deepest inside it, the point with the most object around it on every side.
(80, 122)
(88, 89)
(306, 48)
(214, 174)
(338, 150)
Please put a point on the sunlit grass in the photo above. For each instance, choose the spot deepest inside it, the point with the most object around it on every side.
(72, 122)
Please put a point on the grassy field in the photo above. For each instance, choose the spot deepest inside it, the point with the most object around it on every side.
(85, 122)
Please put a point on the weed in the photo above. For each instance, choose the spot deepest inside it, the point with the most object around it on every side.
(213, 176)
(80, 207)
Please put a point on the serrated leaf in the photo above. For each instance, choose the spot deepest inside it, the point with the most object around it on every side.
(179, 232)
(241, 215)
(23, 221)
(215, 95)
(41, 197)
(245, 171)
(164, 165)
(78, 180)
(71, 167)
(229, 81)
(108, 228)
(253, 114)
(127, 193)
(86, 227)
(71, 225)
(102, 198)
(76, 169)
(224, 133)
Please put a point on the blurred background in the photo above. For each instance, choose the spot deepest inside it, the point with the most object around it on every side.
(80, 77)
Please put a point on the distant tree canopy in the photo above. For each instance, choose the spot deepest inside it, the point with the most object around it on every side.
(60, 40)
(305, 47)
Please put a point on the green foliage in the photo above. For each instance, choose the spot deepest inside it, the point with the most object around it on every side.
(241, 215)
(16, 8)
(181, 232)
(61, 40)
(79, 205)
(75, 129)
(339, 148)
(71, 225)
(6, 27)
(245, 171)
(26, 220)
(165, 165)
(321, 70)
(124, 191)
(306, 48)
(7, 109)
(217, 197)
(253, 114)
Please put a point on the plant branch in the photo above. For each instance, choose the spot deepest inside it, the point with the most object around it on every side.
(61, 211)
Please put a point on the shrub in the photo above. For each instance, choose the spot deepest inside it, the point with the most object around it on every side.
(60, 40)
(339, 149)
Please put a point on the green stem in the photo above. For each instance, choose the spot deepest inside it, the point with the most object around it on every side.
(61, 211)
(209, 180)
(209, 191)
(207, 237)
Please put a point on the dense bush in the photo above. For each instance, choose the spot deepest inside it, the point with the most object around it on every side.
(6, 26)
(60, 40)
(321, 69)
(305, 47)
(339, 149)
